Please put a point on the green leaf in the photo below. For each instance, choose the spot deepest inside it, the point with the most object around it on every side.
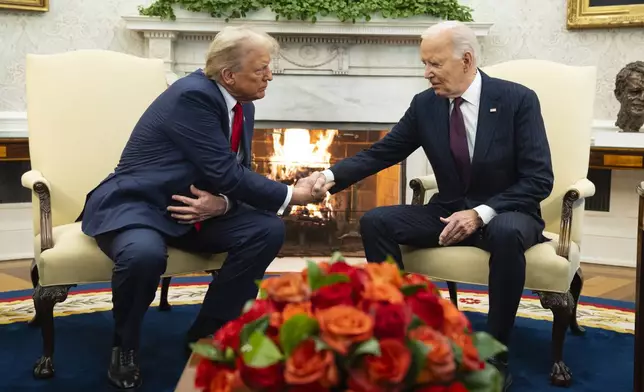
(247, 331)
(313, 273)
(488, 379)
(260, 351)
(248, 305)
(296, 329)
(337, 256)
(458, 354)
(229, 355)
(487, 346)
(371, 346)
(390, 260)
(415, 323)
(207, 351)
(412, 289)
(328, 280)
(320, 344)
(419, 353)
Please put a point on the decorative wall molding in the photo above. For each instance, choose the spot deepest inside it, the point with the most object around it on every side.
(191, 22)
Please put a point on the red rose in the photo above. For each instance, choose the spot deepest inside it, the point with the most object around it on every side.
(228, 335)
(427, 307)
(260, 308)
(358, 276)
(206, 370)
(269, 379)
(332, 295)
(391, 321)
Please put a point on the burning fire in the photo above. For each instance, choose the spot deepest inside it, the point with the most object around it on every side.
(296, 154)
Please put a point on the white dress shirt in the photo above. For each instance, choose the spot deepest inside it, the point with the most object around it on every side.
(470, 108)
(230, 105)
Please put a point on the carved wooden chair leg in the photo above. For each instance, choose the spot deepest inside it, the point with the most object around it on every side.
(561, 305)
(164, 305)
(45, 298)
(453, 293)
(575, 289)
(35, 321)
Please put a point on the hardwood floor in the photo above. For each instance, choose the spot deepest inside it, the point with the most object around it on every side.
(601, 281)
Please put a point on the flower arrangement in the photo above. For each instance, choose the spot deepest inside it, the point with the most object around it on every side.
(337, 327)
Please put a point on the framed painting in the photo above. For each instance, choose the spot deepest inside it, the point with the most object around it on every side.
(590, 14)
(25, 5)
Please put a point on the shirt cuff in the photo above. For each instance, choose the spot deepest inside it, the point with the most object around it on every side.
(486, 213)
(227, 203)
(289, 194)
(328, 174)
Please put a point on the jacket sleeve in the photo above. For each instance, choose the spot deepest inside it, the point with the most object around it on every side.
(195, 127)
(534, 165)
(397, 145)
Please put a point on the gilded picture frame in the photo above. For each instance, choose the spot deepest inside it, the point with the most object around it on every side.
(25, 5)
(592, 14)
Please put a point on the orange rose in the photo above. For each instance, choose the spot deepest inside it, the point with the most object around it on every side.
(386, 292)
(384, 273)
(455, 322)
(391, 366)
(224, 381)
(308, 366)
(290, 310)
(440, 365)
(343, 325)
(289, 287)
(412, 279)
(471, 360)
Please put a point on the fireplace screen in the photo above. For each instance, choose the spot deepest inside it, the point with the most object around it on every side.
(288, 154)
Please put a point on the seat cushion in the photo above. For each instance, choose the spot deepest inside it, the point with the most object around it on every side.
(545, 270)
(76, 259)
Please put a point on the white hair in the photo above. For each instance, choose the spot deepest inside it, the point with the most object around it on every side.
(463, 38)
(230, 46)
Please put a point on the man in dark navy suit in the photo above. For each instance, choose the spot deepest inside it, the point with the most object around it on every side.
(486, 141)
(193, 139)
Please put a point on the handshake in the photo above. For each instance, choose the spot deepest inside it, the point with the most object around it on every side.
(311, 189)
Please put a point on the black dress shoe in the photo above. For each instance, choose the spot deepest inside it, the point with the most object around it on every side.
(124, 372)
(502, 367)
(203, 327)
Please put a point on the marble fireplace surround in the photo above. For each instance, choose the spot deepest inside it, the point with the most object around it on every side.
(328, 74)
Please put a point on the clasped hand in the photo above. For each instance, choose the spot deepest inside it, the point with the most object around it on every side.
(313, 188)
(204, 206)
(459, 226)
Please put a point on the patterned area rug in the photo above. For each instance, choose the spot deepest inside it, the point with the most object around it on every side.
(601, 360)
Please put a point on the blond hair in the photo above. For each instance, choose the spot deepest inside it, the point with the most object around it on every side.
(229, 47)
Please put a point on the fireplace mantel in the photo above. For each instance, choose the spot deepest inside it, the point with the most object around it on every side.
(327, 46)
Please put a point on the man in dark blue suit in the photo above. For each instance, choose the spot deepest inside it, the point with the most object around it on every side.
(194, 138)
(486, 141)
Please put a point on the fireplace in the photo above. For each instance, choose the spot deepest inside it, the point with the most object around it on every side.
(287, 154)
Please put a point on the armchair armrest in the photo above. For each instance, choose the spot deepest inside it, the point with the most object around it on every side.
(38, 184)
(421, 185)
(580, 190)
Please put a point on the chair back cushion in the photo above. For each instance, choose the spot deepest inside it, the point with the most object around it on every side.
(81, 108)
(567, 95)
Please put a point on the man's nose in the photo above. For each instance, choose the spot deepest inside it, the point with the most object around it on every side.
(429, 72)
(269, 75)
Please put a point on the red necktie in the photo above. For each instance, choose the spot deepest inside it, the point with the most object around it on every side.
(235, 137)
(238, 124)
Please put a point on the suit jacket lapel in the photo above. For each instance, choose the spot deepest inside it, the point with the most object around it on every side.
(441, 116)
(488, 116)
(247, 136)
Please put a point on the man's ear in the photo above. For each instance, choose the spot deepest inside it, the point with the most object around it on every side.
(228, 77)
(468, 61)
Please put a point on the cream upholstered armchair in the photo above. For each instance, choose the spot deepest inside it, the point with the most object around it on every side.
(566, 94)
(81, 108)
